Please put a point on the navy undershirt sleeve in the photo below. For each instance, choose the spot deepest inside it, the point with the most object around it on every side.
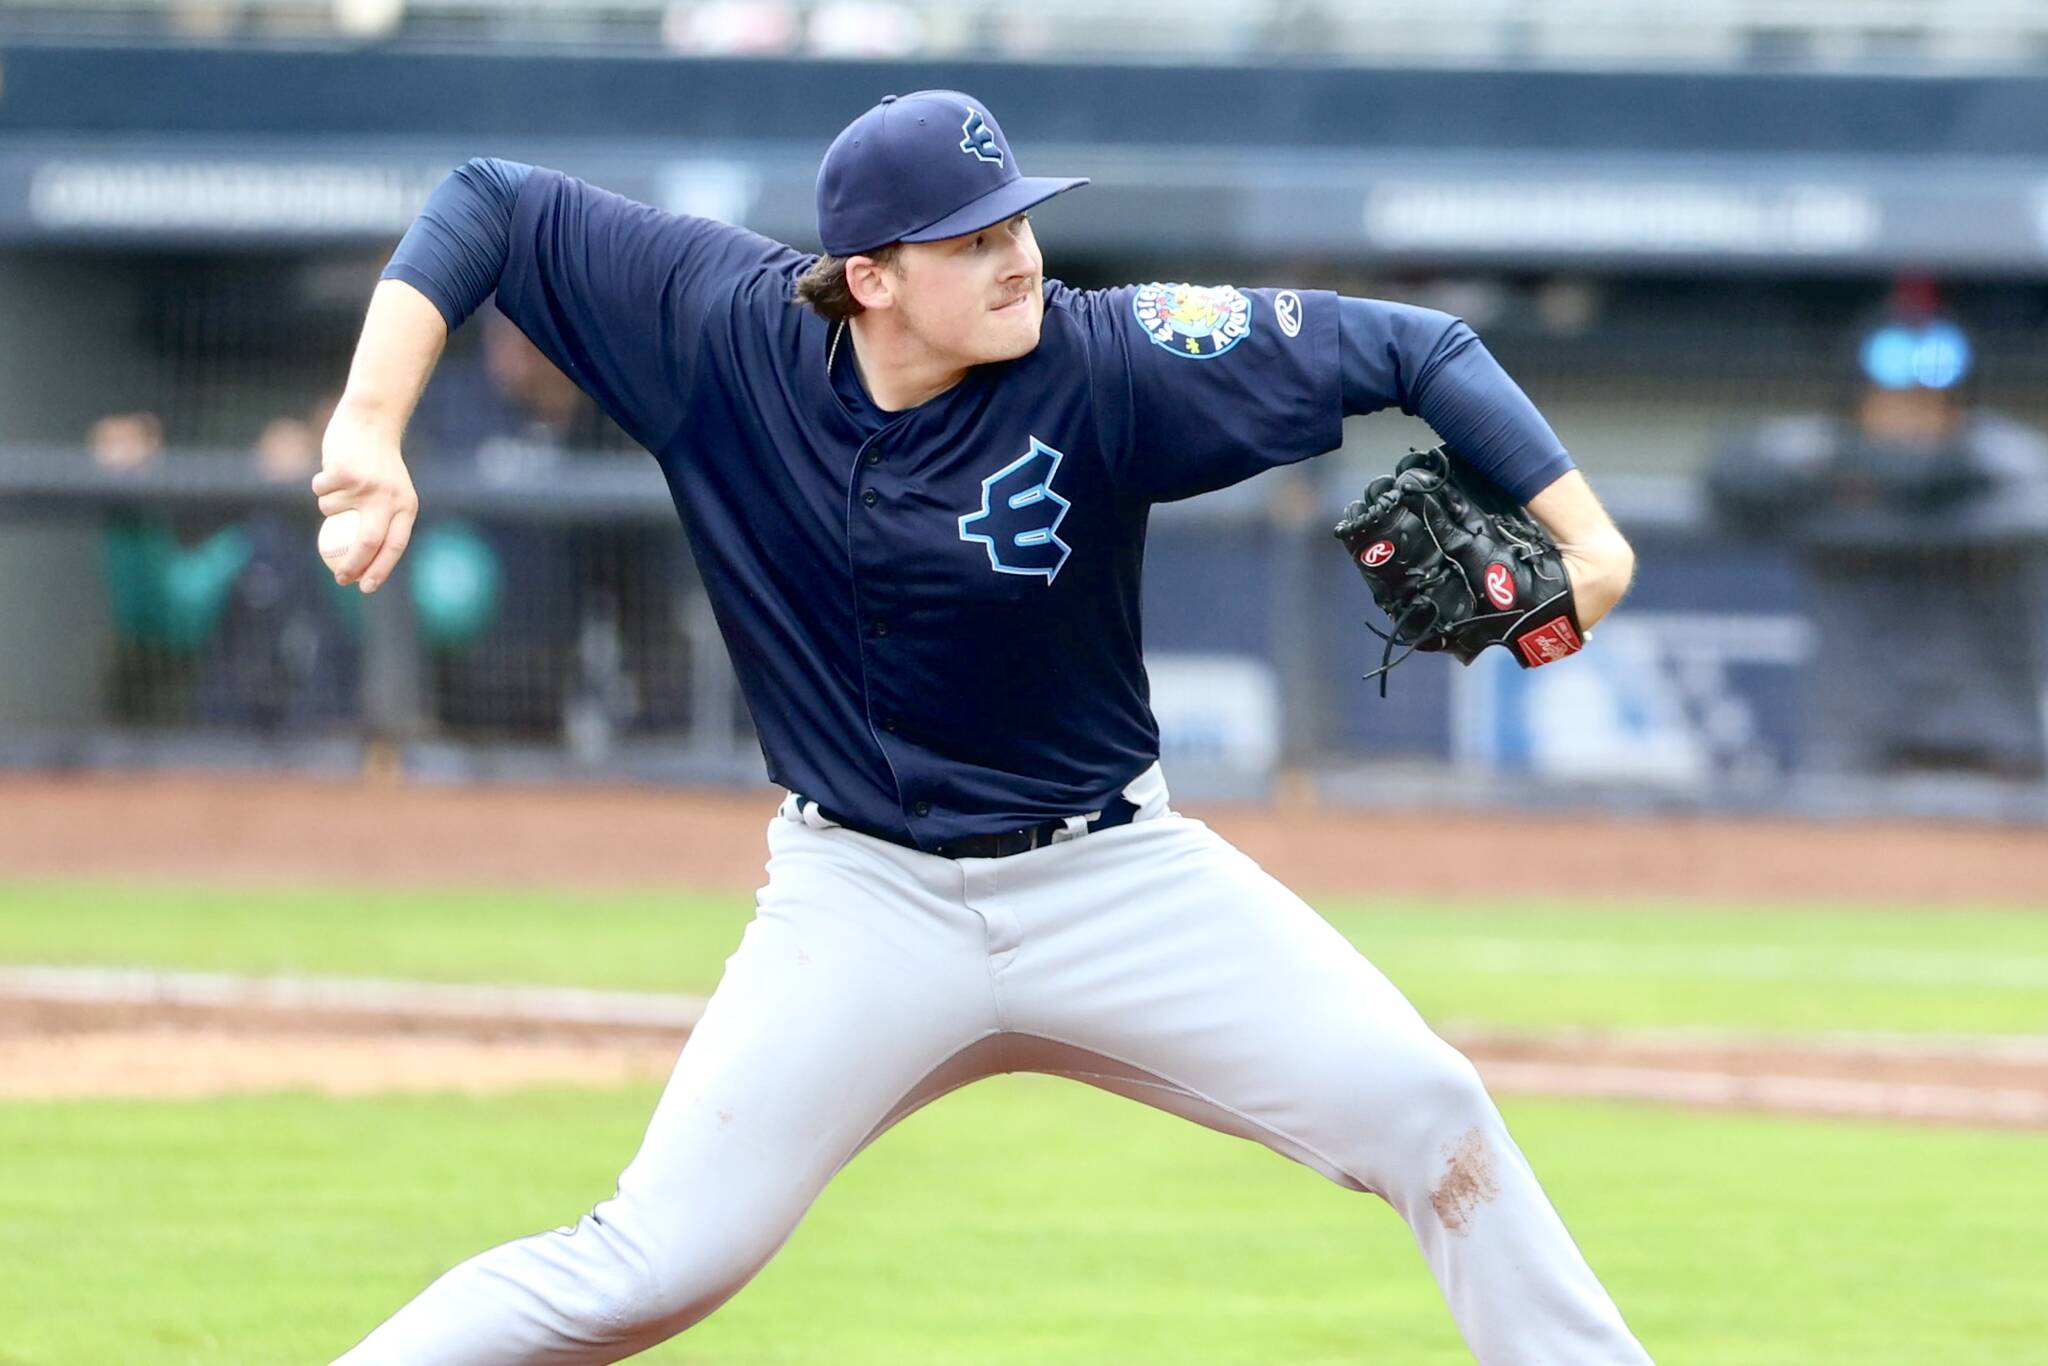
(456, 249)
(1432, 366)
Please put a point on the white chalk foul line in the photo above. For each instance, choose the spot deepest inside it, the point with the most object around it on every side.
(1903, 1100)
(148, 986)
(144, 986)
(1816, 963)
(1691, 1041)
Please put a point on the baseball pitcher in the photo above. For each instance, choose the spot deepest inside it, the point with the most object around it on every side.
(916, 474)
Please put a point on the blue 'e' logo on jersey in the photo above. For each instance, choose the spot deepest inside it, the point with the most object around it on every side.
(978, 139)
(1019, 514)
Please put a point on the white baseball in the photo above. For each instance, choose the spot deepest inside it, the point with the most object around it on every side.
(338, 535)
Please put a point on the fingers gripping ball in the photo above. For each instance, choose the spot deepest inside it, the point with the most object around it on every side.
(1457, 566)
(338, 536)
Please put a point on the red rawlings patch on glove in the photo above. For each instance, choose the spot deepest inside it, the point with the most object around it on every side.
(1550, 641)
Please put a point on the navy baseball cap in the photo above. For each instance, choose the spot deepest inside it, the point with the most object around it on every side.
(920, 167)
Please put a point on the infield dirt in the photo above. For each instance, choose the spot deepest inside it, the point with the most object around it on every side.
(204, 829)
(245, 831)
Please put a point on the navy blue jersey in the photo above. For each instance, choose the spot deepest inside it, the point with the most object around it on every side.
(934, 614)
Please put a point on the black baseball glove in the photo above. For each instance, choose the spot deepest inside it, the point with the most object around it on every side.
(1457, 566)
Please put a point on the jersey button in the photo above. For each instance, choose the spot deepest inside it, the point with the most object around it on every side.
(889, 724)
(870, 497)
(881, 628)
(922, 809)
(874, 457)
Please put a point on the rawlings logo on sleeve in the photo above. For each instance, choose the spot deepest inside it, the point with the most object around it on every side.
(1287, 312)
(1197, 322)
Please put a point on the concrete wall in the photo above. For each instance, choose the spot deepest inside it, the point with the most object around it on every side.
(67, 343)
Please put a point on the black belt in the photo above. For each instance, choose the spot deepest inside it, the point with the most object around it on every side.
(1002, 843)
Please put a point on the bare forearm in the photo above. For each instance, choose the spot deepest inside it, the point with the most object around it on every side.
(402, 338)
(361, 468)
(1596, 555)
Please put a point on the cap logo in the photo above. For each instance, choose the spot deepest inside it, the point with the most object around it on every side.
(978, 139)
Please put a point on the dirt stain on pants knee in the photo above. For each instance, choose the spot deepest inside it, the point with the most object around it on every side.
(1467, 1182)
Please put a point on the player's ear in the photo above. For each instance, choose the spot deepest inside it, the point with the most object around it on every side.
(870, 282)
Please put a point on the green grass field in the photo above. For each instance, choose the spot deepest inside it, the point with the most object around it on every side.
(1029, 1220)
(1023, 1221)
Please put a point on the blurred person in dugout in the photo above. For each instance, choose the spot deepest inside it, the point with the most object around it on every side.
(287, 654)
(530, 624)
(166, 578)
(222, 624)
(1925, 554)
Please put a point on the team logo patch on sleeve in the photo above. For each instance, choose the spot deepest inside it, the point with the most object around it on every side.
(1199, 322)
